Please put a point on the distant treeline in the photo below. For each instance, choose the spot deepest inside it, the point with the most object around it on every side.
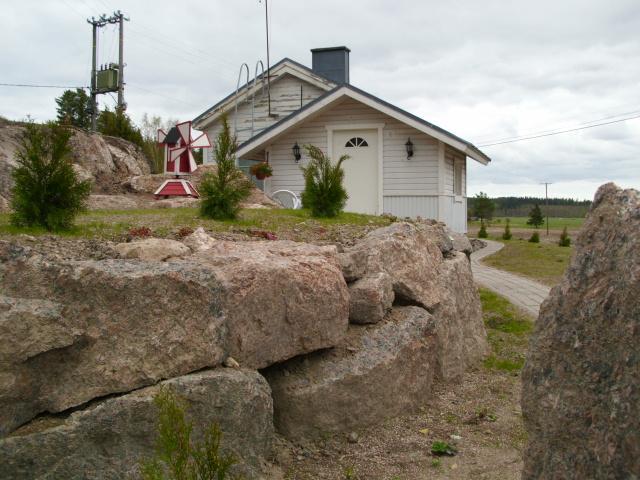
(521, 206)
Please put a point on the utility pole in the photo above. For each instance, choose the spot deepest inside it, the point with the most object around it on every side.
(105, 81)
(546, 202)
(100, 22)
(121, 19)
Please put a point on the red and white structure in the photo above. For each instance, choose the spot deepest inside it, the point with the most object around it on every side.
(178, 159)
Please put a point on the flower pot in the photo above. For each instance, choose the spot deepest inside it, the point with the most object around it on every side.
(260, 175)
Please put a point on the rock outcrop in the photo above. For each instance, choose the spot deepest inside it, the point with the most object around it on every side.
(581, 381)
(462, 338)
(110, 438)
(426, 270)
(379, 371)
(281, 298)
(371, 298)
(107, 161)
(151, 249)
(106, 327)
(114, 325)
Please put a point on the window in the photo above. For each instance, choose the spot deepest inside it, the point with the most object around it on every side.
(457, 177)
(356, 142)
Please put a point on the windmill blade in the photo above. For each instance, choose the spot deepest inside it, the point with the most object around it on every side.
(185, 132)
(175, 153)
(201, 142)
(161, 135)
(193, 166)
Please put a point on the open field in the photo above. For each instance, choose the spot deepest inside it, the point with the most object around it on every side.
(544, 261)
(166, 222)
(555, 223)
(483, 409)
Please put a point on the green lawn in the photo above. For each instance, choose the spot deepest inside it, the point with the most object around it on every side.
(521, 222)
(544, 262)
(166, 222)
(508, 332)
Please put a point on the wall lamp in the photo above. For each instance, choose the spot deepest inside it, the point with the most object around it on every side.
(409, 147)
(296, 152)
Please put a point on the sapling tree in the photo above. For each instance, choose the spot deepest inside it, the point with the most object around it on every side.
(324, 193)
(483, 207)
(565, 240)
(482, 233)
(223, 190)
(47, 191)
(536, 219)
(507, 231)
(178, 456)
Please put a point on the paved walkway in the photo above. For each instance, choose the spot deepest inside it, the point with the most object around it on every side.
(524, 293)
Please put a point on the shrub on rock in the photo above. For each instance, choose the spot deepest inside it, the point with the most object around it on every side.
(47, 191)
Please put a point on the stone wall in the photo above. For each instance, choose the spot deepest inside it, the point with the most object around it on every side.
(83, 348)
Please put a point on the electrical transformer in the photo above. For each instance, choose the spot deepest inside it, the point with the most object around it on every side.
(107, 79)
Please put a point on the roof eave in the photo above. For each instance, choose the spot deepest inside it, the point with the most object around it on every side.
(335, 94)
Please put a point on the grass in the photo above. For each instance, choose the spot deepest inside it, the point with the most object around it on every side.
(508, 332)
(544, 262)
(555, 223)
(163, 222)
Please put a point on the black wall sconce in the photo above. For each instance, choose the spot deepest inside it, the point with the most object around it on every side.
(296, 152)
(409, 147)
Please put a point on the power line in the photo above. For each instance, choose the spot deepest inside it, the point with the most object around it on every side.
(559, 127)
(31, 85)
(560, 132)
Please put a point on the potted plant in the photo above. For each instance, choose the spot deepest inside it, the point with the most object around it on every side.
(261, 170)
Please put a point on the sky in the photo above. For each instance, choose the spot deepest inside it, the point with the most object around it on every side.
(486, 71)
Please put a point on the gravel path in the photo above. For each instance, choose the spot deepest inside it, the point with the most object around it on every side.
(524, 293)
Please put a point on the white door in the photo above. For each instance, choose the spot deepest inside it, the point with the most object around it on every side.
(361, 169)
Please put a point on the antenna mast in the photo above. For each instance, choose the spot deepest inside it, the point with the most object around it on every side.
(266, 22)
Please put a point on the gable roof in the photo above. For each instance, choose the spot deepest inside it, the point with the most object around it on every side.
(286, 65)
(347, 90)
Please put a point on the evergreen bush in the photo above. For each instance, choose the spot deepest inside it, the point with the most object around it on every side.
(178, 457)
(507, 231)
(565, 240)
(223, 190)
(535, 237)
(535, 217)
(324, 193)
(46, 191)
(482, 233)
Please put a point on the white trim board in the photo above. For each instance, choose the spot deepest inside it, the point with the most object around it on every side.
(341, 93)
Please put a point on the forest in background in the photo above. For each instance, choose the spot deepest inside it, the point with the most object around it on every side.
(521, 206)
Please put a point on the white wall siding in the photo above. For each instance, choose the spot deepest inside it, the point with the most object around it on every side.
(288, 94)
(412, 206)
(401, 177)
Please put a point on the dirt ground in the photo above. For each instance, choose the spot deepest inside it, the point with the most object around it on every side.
(483, 410)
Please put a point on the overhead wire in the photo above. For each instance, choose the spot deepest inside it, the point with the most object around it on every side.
(549, 134)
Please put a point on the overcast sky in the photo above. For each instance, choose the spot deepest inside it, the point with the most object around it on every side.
(486, 70)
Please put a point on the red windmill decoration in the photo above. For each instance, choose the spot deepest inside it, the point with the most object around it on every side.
(178, 159)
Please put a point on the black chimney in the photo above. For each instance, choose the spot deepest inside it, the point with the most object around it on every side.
(331, 63)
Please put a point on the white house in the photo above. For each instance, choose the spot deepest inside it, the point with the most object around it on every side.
(400, 163)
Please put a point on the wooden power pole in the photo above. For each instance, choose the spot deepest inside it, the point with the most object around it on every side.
(546, 202)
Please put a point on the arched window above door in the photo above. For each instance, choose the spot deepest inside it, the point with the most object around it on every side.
(356, 142)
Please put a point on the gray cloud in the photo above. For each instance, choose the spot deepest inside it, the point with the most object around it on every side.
(484, 70)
